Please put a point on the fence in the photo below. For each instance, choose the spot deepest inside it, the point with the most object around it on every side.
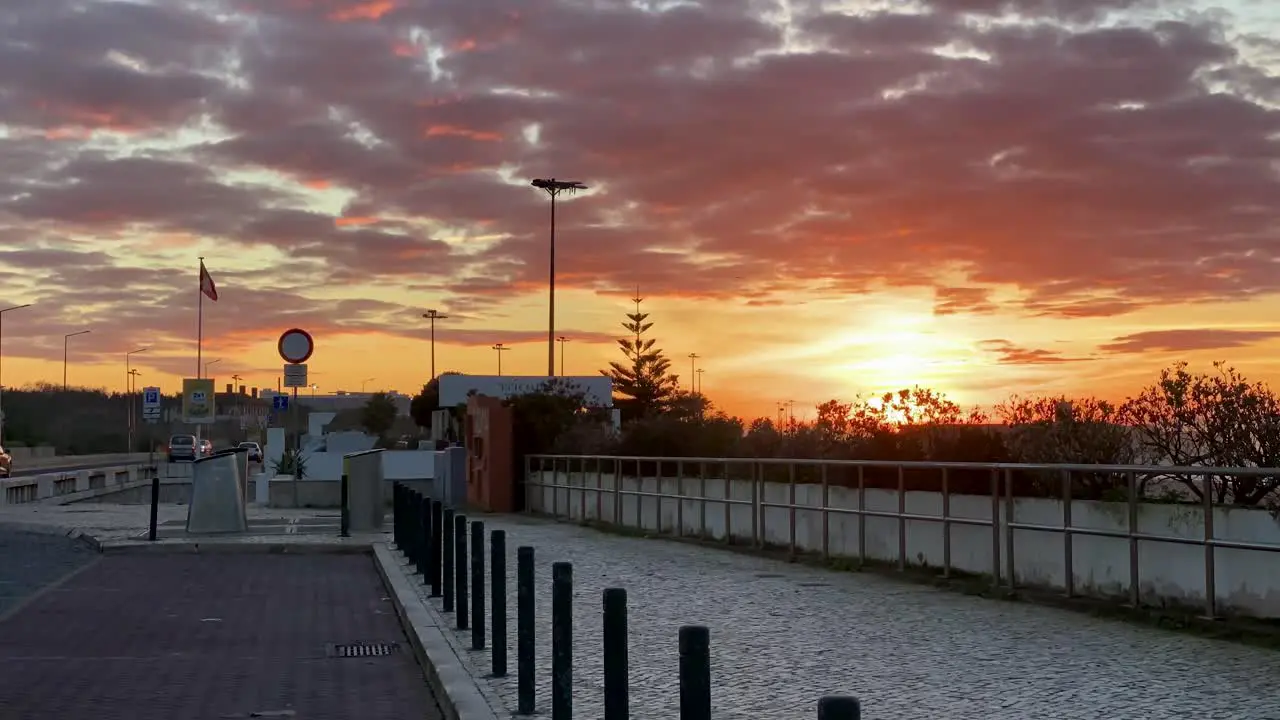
(1140, 551)
(448, 550)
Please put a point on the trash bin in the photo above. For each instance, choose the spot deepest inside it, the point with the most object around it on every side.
(365, 505)
(218, 494)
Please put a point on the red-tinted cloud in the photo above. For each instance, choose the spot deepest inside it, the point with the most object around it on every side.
(1098, 168)
(1186, 340)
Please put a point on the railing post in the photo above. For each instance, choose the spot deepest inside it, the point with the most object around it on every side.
(435, 545)
(757, 518)
(447, 558)
(1009, 530)
(397, 516)
(582, 489)
(902, 520)
(599, 489)
(1210, 571)
(344, 498)
(555, 488)
(616, 674)
(498, 593)
(791, 508)
(839, 707)
(826, 517)
(524, 631)
(1068, 542)
(460, 569)
(728, 506)
(679, 498)
(562, 641)
(995, 528)
(702, 502)
(477, 585)
(695, 673)
(946, 524)
(862, 517)
(617, 492)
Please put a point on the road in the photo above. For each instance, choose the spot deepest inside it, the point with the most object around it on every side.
(206, 637)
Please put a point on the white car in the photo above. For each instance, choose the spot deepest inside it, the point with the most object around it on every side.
(255, 451)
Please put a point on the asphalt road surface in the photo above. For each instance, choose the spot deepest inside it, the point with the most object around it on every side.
(208, 637)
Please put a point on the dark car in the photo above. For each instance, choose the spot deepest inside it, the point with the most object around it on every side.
(183, 447)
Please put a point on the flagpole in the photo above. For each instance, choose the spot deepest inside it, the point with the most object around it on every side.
(200, 320)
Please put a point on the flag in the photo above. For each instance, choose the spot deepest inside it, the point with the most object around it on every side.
(206, 284)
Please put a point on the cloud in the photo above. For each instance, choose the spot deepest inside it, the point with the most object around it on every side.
(1008, 353)
(1095, 157)
(1187, 340)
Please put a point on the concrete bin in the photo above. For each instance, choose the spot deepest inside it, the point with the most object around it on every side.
(218, 485)
(364, 478)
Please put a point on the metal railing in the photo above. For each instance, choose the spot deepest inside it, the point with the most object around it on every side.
(1002, 523)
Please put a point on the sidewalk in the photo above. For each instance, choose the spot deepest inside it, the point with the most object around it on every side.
(210, 637)
(783, 635)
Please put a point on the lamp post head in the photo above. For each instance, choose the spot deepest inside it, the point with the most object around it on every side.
(554, 186)
(16, 307)
(434, 315)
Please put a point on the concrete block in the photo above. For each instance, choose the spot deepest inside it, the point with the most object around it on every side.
(82, 481)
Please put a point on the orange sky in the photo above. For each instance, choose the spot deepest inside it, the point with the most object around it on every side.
(821, 202)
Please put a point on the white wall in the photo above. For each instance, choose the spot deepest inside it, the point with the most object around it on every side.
(396, 465)
(1246, 581)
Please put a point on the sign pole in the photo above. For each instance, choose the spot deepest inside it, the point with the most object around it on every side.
(297, 444)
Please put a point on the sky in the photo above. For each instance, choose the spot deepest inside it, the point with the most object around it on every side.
(820, 199)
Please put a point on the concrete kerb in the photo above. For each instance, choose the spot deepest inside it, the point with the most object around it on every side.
(459, 695)
(76, 534)
(211, 546)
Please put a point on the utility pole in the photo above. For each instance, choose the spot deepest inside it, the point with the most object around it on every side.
(433, 316)
(500, 348)
(562, 340)
(693, 371)
(698, 384)
(553, 188)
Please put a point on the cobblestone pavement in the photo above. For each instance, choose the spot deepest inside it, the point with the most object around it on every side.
(210, 637)
(783, 635)
(30, 561)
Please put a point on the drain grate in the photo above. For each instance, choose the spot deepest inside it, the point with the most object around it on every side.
(362, 649)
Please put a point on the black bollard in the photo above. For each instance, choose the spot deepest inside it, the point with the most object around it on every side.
(839, 707)
(695, 673)
(617, 704)
(477, 585)
(413, 544)
(446, 558)
(434, 545)
(498, 593)
(344, 498)
(460, 607)
(562, 641)
(153, 528)
(524, 631)
(396, 515)
(422, 520)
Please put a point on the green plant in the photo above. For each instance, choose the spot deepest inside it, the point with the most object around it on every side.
(292, 462)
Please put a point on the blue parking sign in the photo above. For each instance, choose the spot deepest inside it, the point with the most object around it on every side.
(152, 397)
(280, 402)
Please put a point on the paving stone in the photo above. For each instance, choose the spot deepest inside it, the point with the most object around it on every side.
(30, 561)
(783, 635)
(144, 637)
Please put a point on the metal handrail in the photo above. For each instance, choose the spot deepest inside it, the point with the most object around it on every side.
(1002, 522)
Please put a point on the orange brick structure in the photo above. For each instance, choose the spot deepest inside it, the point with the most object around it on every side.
(490, 476)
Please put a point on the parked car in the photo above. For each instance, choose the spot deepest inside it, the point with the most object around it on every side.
(255, 451)
(206, 448)
(183, 447)
(6, 462)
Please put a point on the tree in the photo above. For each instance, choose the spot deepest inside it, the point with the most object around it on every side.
(378, 414)
(1215, 419)
(427, 401)
(1071, 431)
(644, 381)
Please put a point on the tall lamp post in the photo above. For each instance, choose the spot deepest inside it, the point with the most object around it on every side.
(211, 362)
(693, 371)
(553, 188)
(364, 382)
(562, 340)
(65, 342)
(433, 316)
(128, 394)
(698, 386)
(500, 348)
(2, 312)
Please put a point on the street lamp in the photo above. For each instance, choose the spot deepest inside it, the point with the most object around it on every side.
(128, 396)
(211, 362)
(562, 340)
(698, 386)
(693, 370)
(133, 377)
(65, 339)
(2, 312)
(553, 188)
(365, 382)
(433, 316)
(313, 389)
(501, 349)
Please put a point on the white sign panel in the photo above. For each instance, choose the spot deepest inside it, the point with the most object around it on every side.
(454, 389)
(295, 375)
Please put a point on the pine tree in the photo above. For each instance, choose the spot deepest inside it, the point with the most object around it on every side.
(644, 380)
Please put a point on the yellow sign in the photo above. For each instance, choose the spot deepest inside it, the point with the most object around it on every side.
(198, 401)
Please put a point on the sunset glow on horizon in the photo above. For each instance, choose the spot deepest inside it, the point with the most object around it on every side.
(820, 199)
